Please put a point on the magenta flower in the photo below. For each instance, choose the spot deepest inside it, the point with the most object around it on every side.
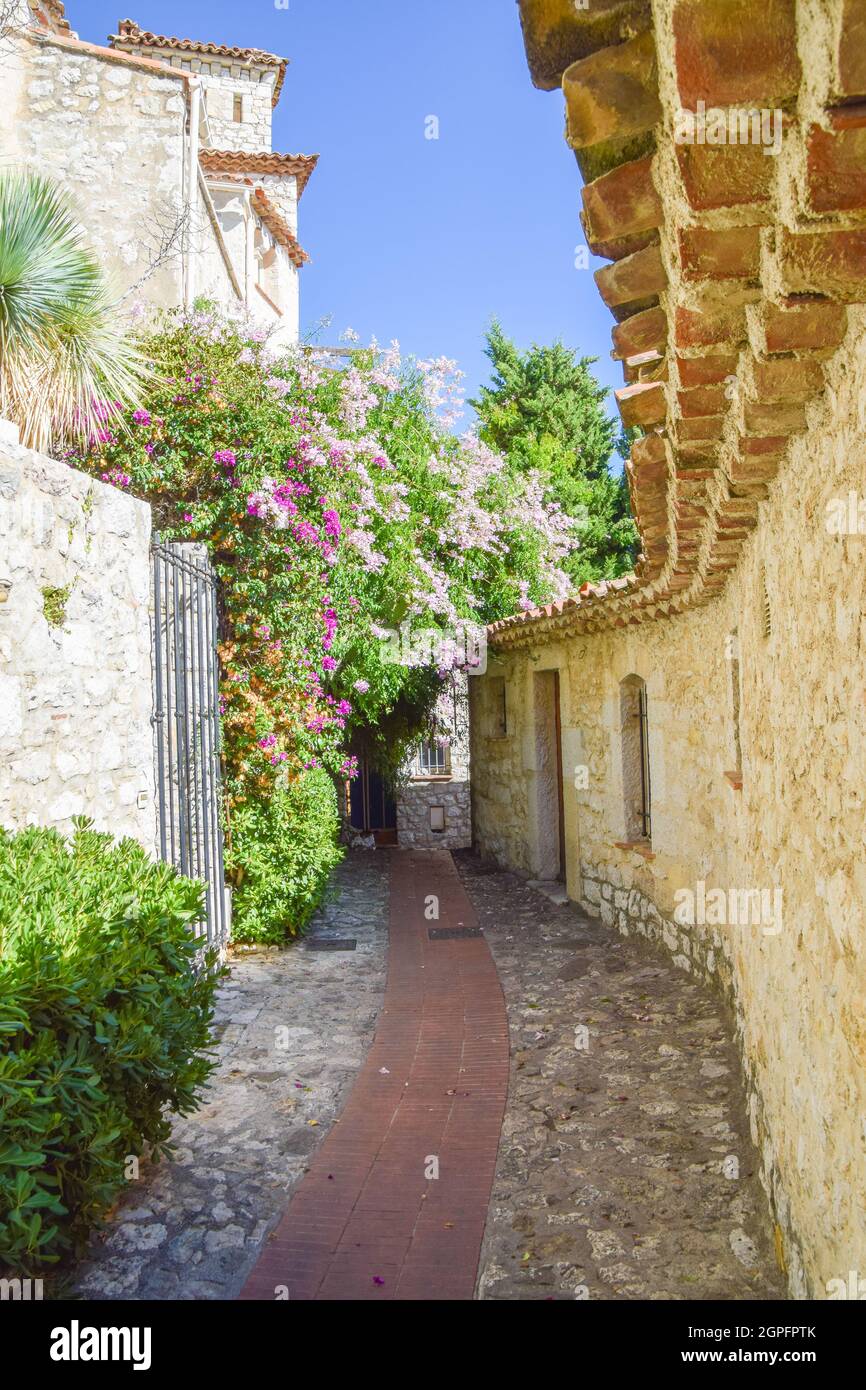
(141, 417)
(329, 664)
(117, 478)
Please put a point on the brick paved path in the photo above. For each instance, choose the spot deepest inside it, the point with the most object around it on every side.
(367, 1221)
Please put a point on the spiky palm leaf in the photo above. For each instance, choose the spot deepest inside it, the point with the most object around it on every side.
(63, 351)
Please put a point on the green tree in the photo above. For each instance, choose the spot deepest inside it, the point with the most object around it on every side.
(544, 410)
(65, 363)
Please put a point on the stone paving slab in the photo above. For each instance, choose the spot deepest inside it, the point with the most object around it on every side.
(394, 1203)
(612, 1178)
(293, 1028)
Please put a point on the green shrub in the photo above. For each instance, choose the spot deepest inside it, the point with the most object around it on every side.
(103, 1022)
(287, 847)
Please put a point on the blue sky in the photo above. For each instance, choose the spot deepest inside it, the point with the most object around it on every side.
(416, 239)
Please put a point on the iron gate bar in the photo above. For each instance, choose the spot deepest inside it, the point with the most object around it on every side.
(214, 730)
(186, 724)
(158, 713)
(204, 776)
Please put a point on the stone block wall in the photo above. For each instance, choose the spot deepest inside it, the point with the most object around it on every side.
(113, 135)
(790, 823)
(419, 794)
(413, 815)
(76, 693)
(222, 82)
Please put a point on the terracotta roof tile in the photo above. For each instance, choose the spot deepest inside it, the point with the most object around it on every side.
(246, 162)
(130, 33)
(278, 227)
(51, 14)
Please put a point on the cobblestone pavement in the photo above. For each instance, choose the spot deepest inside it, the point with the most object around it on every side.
(611, 1179)
(294, 1026)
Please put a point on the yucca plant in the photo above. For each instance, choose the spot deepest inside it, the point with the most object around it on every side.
(65, 360)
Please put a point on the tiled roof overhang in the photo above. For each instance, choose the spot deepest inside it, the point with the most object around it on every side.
(51, 14)
(278, 227)
(242, 162)
(129, 34)
(731, 269)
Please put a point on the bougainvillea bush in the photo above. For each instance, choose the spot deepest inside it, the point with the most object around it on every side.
(338, 505)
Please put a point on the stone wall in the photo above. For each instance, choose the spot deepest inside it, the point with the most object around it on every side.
(222, 82)
(788, 823)
(419, 795)
(113, 136)
(75, 650)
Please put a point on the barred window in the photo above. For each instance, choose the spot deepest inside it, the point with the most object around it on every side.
(434, 758)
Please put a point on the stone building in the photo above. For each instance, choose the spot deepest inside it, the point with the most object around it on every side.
(429, 806)
(165, 146)
(684, 747)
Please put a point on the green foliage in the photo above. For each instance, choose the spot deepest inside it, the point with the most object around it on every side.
(103, 1022)
(337, 507)
(54, 603)
(62, 348)
(283, 849)
(544, 411)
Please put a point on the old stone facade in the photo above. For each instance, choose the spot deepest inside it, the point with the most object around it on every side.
(165, 147)
(76, 694)
(434, 808)
(712, 705)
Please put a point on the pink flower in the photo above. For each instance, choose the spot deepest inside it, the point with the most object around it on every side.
(141, 417)
(328, 663)
(361, 686)
(117, 478)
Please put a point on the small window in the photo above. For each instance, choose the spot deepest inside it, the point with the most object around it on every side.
(767, 616)
(635, 759)
(238, 108)
(437, 820)
(434, 758)
(734, 661)
(497, 722)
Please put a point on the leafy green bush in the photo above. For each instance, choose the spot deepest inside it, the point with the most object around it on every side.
(103, 1022)
(287, 847)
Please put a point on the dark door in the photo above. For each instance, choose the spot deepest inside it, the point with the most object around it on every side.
(372, 808)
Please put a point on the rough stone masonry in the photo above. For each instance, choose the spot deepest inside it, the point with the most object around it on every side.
(75, 649)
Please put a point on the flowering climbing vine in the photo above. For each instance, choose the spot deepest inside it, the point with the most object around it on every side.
(337, 505)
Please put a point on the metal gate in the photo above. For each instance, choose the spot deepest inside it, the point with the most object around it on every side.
(186, 723)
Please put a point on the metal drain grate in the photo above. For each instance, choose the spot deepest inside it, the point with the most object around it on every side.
(453, 933)
(331, 943)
